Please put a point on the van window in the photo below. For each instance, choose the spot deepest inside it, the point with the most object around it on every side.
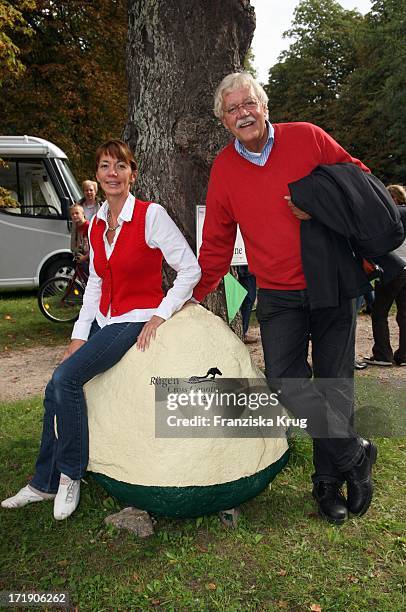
(31, 192)
(69, 179)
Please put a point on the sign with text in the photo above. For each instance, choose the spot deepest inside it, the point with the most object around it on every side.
(239, 256)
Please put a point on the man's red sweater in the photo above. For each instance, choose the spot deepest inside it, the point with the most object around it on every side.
(253, 196)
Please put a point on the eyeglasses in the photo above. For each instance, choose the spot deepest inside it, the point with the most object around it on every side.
(247, 105)
(117, 167)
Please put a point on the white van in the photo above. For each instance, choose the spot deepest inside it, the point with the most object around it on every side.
(36, 190)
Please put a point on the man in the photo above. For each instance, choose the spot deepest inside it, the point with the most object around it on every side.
(249, 186)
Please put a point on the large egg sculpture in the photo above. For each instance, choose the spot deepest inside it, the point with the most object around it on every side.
(172, 476)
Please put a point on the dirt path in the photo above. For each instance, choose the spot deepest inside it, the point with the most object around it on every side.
(25, 373)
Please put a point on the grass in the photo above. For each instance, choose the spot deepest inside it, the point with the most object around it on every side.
(22, 325)
(281, 556)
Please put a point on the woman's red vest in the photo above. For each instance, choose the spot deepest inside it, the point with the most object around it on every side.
(132, 277)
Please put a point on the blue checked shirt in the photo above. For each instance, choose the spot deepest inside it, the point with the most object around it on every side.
(259, 159)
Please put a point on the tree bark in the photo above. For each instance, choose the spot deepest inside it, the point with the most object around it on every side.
(177, 54)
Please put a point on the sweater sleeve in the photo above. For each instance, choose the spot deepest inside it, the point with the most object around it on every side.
(219, 233)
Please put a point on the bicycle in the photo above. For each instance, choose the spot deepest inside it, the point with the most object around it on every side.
(60, 298)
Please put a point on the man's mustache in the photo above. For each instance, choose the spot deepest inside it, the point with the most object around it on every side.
(241, 121)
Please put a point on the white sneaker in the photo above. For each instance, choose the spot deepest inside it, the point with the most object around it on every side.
(67, 497)
(25, 496)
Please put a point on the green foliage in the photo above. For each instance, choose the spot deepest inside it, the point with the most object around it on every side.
(12, 22)
(347, 73)
(306, 81)
(249, 62)
(372, 104)
(73, 91)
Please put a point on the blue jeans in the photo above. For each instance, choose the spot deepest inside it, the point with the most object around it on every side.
(65, 399)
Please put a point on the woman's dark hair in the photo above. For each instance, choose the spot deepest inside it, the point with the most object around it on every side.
(117, 149)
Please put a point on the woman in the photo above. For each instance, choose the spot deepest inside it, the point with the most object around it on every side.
(89, 202)
(123, 305)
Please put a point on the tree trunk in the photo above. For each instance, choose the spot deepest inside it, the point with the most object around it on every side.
(177, 54)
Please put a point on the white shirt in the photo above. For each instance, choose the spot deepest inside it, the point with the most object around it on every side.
(259, 159)
(160, 233)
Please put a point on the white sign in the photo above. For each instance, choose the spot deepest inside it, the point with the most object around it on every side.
(239, 256)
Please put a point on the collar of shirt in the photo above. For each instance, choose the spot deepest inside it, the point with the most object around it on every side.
(259, 159)
(125, 214)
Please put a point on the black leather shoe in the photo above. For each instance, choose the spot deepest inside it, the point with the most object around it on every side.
(331, 502)
(360, 487)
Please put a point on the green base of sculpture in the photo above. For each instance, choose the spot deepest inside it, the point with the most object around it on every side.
(189, 502)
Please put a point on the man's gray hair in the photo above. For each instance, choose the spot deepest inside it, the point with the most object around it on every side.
(234, 81)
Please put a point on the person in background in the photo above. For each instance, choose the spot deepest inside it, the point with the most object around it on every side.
(386, 293)
(89, 201)
(123, 305)
(248, 281)
(79, 238)
(398, 193)
(364, 302)
(90, 207)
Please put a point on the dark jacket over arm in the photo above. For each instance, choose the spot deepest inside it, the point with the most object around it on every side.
(353, 216)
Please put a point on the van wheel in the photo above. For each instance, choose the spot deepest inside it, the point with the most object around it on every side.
(59, 267)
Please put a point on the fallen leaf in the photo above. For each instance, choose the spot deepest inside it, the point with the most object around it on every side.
(315, 608)
(202, 549)
(351, 578)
